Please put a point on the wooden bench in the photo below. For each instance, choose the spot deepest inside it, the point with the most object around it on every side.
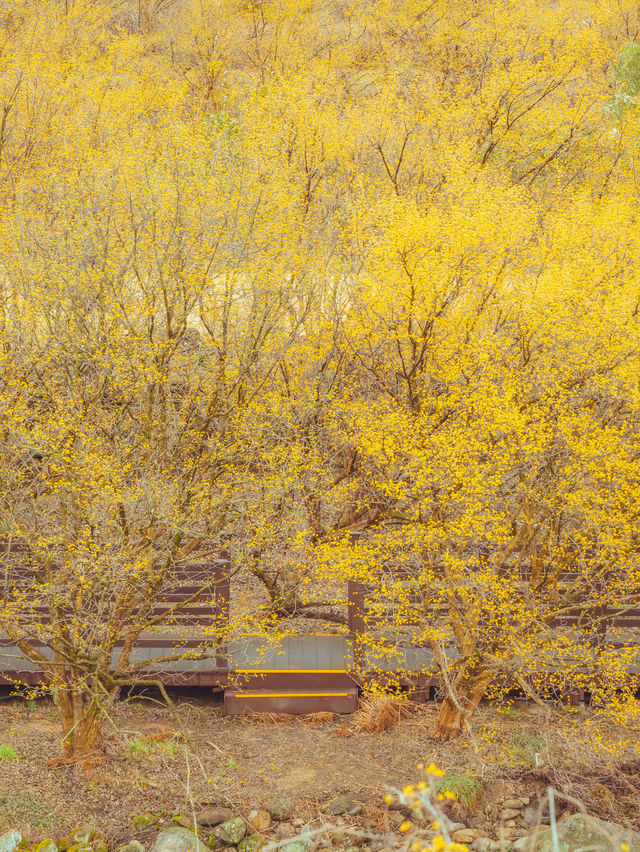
(190, 614)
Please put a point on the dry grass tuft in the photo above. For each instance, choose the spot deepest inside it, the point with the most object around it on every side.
(381, 713)
(322, 718)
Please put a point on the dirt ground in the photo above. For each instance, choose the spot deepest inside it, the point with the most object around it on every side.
(155, 763)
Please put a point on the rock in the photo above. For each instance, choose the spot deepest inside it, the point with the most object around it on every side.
(131, 846)
(297, 822)
(301, 845)
(352, 849)
(356, 810)
(455, 826)
(511, 804)
(525, 799)
(280, 808)
(231, 831)
(184, 822)
(10, 841)
(285, 829)
(177, 839)
(481, 844)
(532, 815)
(214, 842)
(252, 843)
(214, 816)
(49, 845)
(260, 820)
(339, 805)
(464, 835)
(578, 831)
(396, 819)
(509, 823)
(139, 821)
(82, 835)
(510, 813)
(97, 846)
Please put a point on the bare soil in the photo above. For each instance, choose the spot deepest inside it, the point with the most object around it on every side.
(156, 763)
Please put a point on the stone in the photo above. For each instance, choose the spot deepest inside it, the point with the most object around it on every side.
(481, 844)
(513, 804)
(49, 845)
(525, 799)
(356, 810)
(303, 844)
(339, 805)
(251, 843)
(297, 822)
(214, 842)
(285, 829)
(259, 820)
(532, 815)
(396, 819)
(231, 831)
(82, 835)
(509, 823)
(464, 835)
(10, 840)
(352, 849)
(214, 816)
(510, 813)
(131, 846)
(280, 808)
(140, 821)
(177, 839)
(456, 826)
(578, 831)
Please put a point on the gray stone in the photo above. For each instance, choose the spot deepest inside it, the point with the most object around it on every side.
(532, 815)
(280, 808)
(356, 810)
(252, 843)
(49, 845)
(516, 804)
(455, 826)
(510, 813)
(231, 831)
(131, 846)
(339, 805)
(302, 844)
(214, 816)
(284, 830)
(177, 839)
(481, 844)
(580, 831)
(82, 835)
(10, 841)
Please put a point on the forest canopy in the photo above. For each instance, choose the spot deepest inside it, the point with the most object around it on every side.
(293, 274)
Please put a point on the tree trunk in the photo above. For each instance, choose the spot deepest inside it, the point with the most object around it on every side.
(462, 702)
(82, 715)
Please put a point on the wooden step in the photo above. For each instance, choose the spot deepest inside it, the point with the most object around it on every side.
(282, 680)
(295, 701)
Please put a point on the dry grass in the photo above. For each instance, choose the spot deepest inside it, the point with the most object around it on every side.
(381, 713)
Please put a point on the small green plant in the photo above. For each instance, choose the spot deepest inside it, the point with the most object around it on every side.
(139, 746)
(524, 749)
(466, 788)
(7, 752)
(25, 807)
(230, 763)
